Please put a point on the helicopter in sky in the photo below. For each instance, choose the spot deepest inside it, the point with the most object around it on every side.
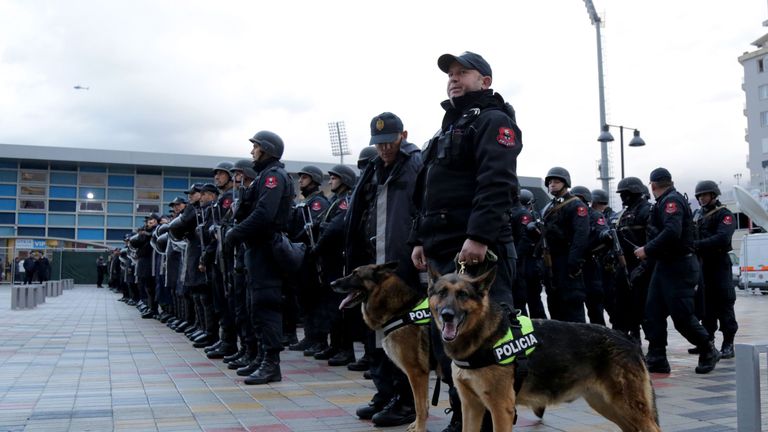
(79, 87)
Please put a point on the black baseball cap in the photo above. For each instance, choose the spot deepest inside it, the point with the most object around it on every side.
(467, 59)
(153, 215)
(177, 200)
(209, 187)
(385, 128)
(660, 174)
(195, 187)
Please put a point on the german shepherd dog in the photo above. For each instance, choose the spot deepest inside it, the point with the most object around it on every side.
(384, 297)
(570, 361)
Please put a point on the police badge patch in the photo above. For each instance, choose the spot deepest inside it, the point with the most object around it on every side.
(727, 220)
(343, 205)
(316, 206)
(670, 208)
(506, 137)
(582, 211)
(270, 182)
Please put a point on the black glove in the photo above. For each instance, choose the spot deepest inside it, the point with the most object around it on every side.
(231, 240)
(574, 269)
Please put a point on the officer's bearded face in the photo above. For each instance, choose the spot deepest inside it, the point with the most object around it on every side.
(462, 81)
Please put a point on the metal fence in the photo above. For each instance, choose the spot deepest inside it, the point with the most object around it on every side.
(76, 264)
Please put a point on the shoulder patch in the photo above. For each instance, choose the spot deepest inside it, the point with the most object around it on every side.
(670, 207)
(343, 204)
(727, 220)
(271, 182)
(316, 206)
(506, 137)
(226, 203)
(601, 221)
(525, 219)
(581, 211)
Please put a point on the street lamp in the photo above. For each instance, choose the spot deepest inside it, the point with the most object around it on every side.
(606, 137)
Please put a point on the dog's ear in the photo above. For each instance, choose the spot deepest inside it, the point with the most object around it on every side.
(385, 269)
(432, 277)
(392, 265)
(484, 282)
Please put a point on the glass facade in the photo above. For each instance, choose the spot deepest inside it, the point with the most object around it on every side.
(89, 202)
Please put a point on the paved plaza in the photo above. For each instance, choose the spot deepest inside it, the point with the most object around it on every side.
(85, 362)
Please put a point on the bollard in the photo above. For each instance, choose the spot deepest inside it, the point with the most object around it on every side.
(18, 297)
(748, 388)
(39, 293)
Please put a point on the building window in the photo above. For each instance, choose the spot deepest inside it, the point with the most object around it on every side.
(62, 192)
(121, 194)
(32, 190)
(91, 206)
(90, 234)
(764, 119)
(61, 220)
(760, 66)
(121, 181)
(7, 218)
(91, 220)
(68, 233)
(93, 179)
(114, 207)
(147, 194)
(7, 204)
(31, 204)
(763, 92)
(34, 176)
(31, 232)
(765, 148)
(8, 176)
(149, 181)
(147, 208)
(119, 222)
(8, 190)
(92, 193)
(63, 178)
(62, 206)
(31, 219)
(117, 234)
(175, 183)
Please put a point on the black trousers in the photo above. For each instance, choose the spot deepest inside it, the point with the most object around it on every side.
(719, 296)
(565, 293)
(670, 293)
(265, 292)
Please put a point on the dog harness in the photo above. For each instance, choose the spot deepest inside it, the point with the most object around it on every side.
(514, 347)
(418, 315)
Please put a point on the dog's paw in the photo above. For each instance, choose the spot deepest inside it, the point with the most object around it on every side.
(414, 427)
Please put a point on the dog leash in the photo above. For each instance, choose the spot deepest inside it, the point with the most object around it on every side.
(490, 259)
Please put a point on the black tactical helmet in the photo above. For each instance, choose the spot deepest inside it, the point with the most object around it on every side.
(366, 154)
(600, 196)
(526, 197)
(315, 173)
(558, 173)
(270, 142)
(581, 191)
(707, 186)
(632, 185)
(223, 166)
(345, 173)
(246, 167)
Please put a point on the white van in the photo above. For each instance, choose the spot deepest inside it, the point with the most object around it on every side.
(753, 262)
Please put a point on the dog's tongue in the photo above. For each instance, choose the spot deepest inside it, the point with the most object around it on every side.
(449, 331)
(347, 300)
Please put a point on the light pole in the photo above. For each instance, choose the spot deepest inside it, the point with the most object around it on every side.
(737, 176)
(597, 22)
(606, 137)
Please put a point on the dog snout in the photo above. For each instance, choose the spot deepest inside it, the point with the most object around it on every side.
(447, 314)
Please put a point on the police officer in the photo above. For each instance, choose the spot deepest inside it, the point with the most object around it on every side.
(532, 265)
(468, 185)
(146, 280)
(366, 155)
(344, 323)
(304, 229)
(632, 282)
(376, 229)
(269, 215)
(209, 194)
(715, 227)
(599, 238)
(174, 253)
(222, 263)
(674, 278)
(565, 243)
(607, 259)
(520, 217)
(243, 176)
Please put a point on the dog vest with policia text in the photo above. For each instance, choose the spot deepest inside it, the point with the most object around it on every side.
(517, 344)
(418, 315)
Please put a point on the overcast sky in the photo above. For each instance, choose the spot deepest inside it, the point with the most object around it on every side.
(202, 77)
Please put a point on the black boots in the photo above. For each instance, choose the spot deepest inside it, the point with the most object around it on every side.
(268, 371)
(726, 350)
(455, 410)
(708, 358)
(395, 413)
(656, 361)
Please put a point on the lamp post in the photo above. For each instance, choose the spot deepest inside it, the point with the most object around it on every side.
(606, 137)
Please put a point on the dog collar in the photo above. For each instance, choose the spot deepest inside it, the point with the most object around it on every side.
(418, 315)
(518, 342)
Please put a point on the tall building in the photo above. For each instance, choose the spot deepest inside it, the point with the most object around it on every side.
(755, 87)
